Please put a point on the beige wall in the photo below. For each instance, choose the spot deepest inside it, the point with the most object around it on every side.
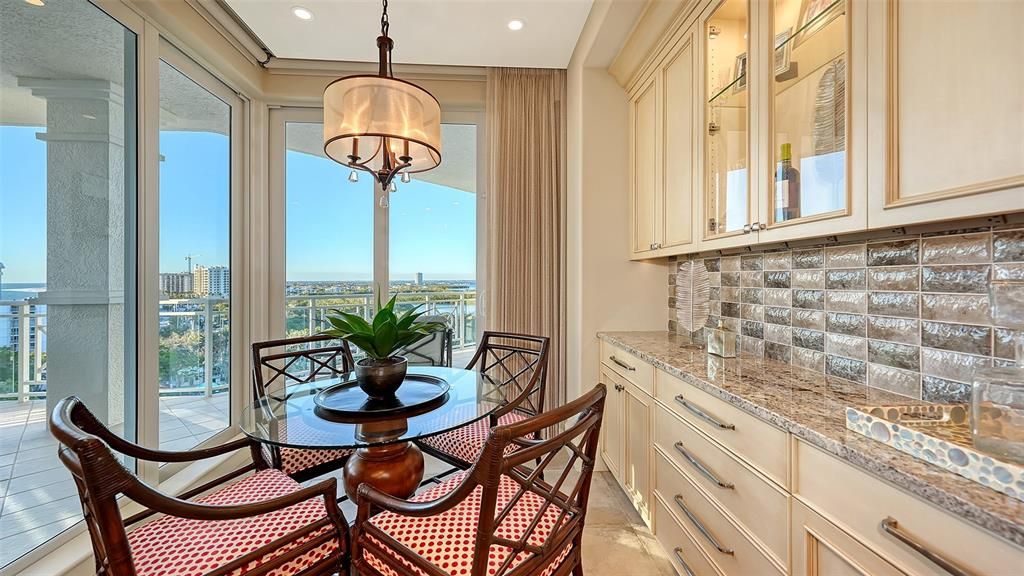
(300, 84)
(607, 291)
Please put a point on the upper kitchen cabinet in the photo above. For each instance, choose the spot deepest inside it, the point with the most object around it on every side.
(727, 200)
(947, 110)
(679, 135)
(645, 167)
(663, 152)
(813, 132)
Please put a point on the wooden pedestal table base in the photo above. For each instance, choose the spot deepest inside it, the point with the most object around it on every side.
(395, 469)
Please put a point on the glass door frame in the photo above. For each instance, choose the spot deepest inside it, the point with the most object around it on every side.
(142, 352)
(754, 82)
(853, 217)
(276, 235)
(239, 389)
(768, 71)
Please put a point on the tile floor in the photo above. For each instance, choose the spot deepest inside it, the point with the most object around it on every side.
(615, 540)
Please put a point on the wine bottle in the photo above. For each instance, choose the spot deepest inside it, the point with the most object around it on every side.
(787, 187)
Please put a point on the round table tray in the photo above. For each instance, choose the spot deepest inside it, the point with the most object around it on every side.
(347, 401)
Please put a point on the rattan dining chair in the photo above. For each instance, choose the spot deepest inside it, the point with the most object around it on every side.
(278, 364)
(263, 523)
(516, 366)
(499, 518)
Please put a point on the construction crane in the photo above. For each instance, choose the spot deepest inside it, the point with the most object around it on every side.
(188, 258)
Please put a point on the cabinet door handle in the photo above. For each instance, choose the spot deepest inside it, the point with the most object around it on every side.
(891, 527)
(686, 568)
(703, 415)
(622, 364)
(704, 470)
(700, 527)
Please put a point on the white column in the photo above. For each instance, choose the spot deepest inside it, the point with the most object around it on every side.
(85, 244)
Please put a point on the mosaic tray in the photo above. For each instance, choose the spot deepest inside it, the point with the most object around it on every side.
(939, 434)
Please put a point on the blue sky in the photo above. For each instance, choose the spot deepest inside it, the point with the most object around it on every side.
(329, 219)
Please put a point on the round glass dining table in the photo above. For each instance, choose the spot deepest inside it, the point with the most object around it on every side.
(385, 456)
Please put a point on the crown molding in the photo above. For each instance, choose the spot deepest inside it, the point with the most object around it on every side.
(301, 67)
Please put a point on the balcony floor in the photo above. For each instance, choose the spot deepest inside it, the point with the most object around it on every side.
(38, 499)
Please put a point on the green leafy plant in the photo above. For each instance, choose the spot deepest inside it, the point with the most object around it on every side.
(383, 336)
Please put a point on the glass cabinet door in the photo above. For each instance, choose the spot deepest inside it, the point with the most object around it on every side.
(727, 152)
(809, 109)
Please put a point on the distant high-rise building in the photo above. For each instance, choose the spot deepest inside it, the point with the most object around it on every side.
(212, 281)
(176, 283)
(419, 278)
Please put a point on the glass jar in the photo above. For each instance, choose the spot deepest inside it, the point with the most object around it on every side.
(997, 399)
(997, 413)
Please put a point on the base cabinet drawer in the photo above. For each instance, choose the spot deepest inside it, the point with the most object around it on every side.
(681, 547)
(628, 366)
(898, 527)
(720, 539)
(762, 445)
(822, 549)
(760, 506)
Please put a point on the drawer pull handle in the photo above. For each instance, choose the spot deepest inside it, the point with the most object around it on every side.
(703, 415)
(704, 470)
(891, 527)
(679, 556)
(700, 527)
(622, 364)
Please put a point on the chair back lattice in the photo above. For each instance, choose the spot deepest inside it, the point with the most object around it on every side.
(516, 364)
(434, 349)
(300, 360)
(533, 501)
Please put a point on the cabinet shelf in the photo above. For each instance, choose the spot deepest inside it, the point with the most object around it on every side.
(724, 96)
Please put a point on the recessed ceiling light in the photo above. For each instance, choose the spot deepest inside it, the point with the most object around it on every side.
(515, 24)
(35, 2)
(302, 13)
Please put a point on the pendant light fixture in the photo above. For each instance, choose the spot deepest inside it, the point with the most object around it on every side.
(380, 124)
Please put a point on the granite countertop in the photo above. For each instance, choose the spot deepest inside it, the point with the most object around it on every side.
(812, 407)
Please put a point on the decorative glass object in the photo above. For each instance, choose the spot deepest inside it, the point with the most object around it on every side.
(721, 342)
(997, 403)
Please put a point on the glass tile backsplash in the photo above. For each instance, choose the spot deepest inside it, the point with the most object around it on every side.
(909, 315)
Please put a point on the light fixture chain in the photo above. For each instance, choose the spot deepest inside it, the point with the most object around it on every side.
(384, 23)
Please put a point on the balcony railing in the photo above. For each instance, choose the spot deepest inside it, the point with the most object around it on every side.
(194, 342)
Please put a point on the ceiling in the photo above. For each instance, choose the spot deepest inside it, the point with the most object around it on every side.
(441, 32)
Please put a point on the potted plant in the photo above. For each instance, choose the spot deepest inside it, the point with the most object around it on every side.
(381, 372)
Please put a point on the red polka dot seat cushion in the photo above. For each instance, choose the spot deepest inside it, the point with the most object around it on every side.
(448, 540)
(466, 442)
(172, 546)
(296, 459)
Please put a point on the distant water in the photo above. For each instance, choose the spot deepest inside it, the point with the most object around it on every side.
(21, 290)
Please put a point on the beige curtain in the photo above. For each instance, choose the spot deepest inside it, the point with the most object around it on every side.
(525, 289)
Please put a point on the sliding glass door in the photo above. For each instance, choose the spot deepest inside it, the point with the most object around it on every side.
(195, 200)
(337, 240)
(68, 196)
